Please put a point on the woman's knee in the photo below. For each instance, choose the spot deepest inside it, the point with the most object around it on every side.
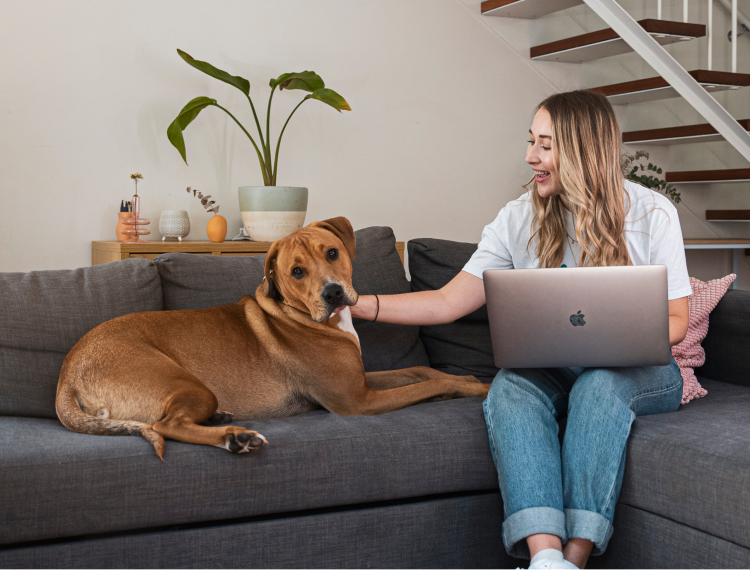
(513, 390)
(644, 390)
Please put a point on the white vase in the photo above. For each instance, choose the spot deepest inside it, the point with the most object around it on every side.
(174, 224)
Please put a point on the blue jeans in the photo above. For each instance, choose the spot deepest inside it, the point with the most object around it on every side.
(569, 492)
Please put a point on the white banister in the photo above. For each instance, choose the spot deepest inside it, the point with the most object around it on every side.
(685, 11)
(710, 34)
(665, 65)
(658, 9)
(740, 16)
(734, 36)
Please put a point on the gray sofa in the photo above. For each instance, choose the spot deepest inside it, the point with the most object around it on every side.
(412, 488)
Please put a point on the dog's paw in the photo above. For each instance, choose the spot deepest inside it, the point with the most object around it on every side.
(219, 418)
(244, 442)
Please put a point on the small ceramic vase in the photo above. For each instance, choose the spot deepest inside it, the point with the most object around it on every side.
(217, 229)
(174, 224)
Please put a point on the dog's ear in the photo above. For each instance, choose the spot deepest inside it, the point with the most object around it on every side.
(343, 230)
(272, 290)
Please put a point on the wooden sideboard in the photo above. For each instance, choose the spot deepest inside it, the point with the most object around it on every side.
(107, 251)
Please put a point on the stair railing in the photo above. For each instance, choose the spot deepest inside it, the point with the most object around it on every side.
(676, 75)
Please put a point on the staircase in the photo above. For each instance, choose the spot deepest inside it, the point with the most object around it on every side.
(646, 37)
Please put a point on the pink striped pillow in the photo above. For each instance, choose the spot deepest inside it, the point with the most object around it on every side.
(689, 353)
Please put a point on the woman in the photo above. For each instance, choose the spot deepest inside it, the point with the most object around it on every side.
(559, 500)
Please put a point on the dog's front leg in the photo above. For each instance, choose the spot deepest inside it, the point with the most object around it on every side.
(368, 402)
(406, 376)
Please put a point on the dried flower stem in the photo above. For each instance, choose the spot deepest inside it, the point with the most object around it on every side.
(208, 205)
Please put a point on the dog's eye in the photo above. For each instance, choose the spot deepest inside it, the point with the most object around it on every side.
(298, 273)
(333, 254)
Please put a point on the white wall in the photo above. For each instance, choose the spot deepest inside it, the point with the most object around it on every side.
(434, 145)
(441, 96)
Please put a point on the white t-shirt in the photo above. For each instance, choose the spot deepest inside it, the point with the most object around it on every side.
(652, 234)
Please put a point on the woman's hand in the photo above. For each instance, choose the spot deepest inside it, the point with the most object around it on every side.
(464, 294)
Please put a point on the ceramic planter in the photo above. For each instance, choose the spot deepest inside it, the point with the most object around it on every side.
(272, 212)
(174, 224)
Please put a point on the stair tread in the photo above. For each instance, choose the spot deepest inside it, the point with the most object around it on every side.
(700, 75)
(654, 88)
(716, 241)
(606, 42)
(526, 9)
(727, 215)
(721, 175)
(700, 131)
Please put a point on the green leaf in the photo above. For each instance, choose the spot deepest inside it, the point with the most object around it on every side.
(184, 118)
(330, 97)
(305, 80)
(239, 82)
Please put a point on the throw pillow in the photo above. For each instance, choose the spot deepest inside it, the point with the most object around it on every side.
(689, 354)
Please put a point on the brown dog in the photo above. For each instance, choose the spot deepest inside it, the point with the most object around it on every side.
(291, 349)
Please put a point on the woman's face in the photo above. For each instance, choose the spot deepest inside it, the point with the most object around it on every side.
(541, 154)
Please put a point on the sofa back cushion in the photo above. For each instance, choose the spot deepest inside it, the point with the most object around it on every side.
(197, 281)
(45, 313)
(728, 340)
(464, 346)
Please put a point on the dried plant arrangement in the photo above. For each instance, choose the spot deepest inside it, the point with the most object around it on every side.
(136, 176)
(208, 204)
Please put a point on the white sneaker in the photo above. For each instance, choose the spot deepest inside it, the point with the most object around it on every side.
(552, 564)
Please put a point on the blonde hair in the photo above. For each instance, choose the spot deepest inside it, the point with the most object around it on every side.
(587, 140)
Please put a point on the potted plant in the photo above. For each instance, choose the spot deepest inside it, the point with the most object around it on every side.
(269, 212)
(631, 167)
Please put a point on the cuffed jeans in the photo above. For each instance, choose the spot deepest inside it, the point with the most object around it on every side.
(569, 492)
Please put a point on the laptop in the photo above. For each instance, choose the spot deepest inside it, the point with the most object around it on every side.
(579, 316)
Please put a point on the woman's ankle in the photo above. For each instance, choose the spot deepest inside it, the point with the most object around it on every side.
(539, 542)
(577, 551)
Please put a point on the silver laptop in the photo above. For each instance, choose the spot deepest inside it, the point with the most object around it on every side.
(579, 316)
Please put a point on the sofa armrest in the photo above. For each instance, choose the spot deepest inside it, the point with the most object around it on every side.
(727, 343)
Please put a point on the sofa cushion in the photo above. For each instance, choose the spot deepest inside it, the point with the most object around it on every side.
(464, 346)
(728, 339)
(45, 313)
(197, 281)
(693, 466)
(689, 353)
(57, 483)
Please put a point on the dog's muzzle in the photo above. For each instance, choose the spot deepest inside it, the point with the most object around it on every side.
(333, 297)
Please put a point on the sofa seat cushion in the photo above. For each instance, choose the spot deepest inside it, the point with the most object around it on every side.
(56, 483)
(693, 466)
(45, 313)
(198, 281)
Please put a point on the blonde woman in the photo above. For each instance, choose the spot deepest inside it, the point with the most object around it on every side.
(559, 501)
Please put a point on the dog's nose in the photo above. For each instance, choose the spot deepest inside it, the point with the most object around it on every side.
(333, 294)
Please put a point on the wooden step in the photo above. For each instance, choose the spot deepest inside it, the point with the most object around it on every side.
(708, 176)
(526, 9)
(606, 43)
(728, 215)
(654, 88)
(678, 135)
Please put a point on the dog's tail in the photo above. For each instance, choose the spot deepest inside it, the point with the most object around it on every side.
(75, 419)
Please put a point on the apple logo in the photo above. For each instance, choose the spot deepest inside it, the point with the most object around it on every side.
(577, 319)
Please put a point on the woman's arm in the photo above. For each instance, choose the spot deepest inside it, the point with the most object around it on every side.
(678, 320)
(464, 294)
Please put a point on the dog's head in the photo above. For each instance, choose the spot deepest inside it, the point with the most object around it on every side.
(311, 269)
